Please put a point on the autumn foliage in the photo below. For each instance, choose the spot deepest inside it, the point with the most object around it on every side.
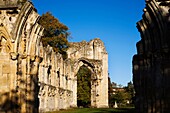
(55, 33)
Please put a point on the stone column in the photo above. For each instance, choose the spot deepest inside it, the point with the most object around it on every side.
(104, 82)
(93, 91)
(57, 97)
(74, 104)
(32, 85)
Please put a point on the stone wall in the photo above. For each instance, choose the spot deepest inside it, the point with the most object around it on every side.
(151, 64)
(34, 78)
(93, 55)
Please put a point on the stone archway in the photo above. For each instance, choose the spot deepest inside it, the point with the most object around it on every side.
(5, 44)
(20, 36)
(95, 78)
(94, 56)
(84, 87)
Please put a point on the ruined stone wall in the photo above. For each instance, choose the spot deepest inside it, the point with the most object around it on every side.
(151, 64)
(55, 82)
(19, 56)
(34, 78)
(94, 55)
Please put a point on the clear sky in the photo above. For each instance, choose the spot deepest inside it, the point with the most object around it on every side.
(113, 21)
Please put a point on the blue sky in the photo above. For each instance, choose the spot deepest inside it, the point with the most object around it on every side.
(113, 21)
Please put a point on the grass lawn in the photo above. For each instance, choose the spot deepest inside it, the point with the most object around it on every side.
(99, 110)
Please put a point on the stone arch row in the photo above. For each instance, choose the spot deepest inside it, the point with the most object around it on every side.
(38, 77)
(22, 36)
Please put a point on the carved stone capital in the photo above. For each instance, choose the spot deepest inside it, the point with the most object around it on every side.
(36, 59)
(1, 25)
(32, 58)
(14, 55)
(23, 56)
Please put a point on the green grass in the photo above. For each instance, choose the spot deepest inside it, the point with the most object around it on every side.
(99, 110)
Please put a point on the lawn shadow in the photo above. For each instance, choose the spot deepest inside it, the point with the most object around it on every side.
(118, 110)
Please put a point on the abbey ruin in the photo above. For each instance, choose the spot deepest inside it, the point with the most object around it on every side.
(151, 64)
(34, 78)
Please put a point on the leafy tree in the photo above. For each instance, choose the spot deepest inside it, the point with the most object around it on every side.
(111, 86)
(55, 33)
(131, 91)
(122, 95)
(84, 87)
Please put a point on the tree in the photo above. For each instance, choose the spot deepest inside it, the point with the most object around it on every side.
(130, 89)
(55, 33)
(114, 85)
(84, 87)
(124, 96)
(120, 96)
(111, 87)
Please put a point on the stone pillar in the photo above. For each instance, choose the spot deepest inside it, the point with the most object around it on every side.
(57, 96)
(74, 104)
(93, 91)
(32, 86)
(104, 103)
(8, 94)
(151, 63)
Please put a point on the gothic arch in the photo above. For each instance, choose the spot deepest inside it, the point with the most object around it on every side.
(33, 47)
(4, 35)
(94, 56)
(24, 44)
(27, 32)
(20, 23)
(153, 26)
(82, 61)
(95, 77)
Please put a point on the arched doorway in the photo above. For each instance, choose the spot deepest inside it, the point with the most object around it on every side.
(89, 68)
(84, 87)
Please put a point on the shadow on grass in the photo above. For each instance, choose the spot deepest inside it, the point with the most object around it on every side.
(119, 110)
(99, 110)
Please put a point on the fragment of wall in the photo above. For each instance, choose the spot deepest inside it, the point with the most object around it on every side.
(151, 63)
(94, 53)
(20, 37)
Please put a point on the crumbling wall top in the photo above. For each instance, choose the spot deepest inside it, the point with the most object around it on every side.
(10, 4)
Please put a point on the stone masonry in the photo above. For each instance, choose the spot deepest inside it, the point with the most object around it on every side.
(151, 64)
(34, 78)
